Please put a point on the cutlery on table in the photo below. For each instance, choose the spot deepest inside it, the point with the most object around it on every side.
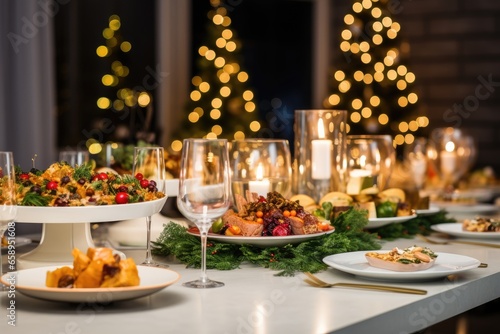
(316, 282)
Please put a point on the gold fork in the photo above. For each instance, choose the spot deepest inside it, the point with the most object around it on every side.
(316, 282)
(436, 242)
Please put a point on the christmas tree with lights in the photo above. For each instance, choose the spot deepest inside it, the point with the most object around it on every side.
(220, 104)
(131, 108)
(372, 80)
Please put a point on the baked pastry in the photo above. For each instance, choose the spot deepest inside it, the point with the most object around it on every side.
(98, 268)
(414, 258)
(481, 225)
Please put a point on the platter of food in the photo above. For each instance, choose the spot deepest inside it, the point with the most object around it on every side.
(457, 230)
(356, 263)
(88, 214)
(379, 222)
(267, 241)
(31, 282)
(95, 276)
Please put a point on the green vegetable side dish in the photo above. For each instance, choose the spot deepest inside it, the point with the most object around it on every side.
(387, 209)
(217, 225)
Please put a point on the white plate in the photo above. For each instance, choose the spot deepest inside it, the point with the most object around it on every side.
(427, 212)
(31, 282)
(88, 214)
(468, 209)
(355, 263)
(455, 229)
(379, 222)
(264, 241)
(20, 241)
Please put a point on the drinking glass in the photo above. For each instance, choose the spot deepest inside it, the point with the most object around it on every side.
(8, 207)
(454, 154)
(204, 192)
(370, 162)
(74, 157)
(260, 166)
(417, 160)
(149, 164)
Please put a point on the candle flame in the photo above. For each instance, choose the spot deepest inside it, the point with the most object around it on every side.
(450, 146)
(321, 129)
(259, 173)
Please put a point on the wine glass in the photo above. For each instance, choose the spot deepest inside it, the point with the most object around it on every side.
(74, 157)
(8, 206)
(260, 166)
(454, 154)
(370, 162)
(149, 164)
(417, 160)
(204, 191)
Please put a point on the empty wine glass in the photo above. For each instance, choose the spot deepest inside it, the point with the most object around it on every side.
(8, 206)
(149, 164)
(417, 160)
(260, 166)
(370, 161)
(74, 157)
(204, 191)
(454, 154)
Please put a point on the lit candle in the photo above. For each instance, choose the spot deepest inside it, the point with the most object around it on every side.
(321, 155)
(260, 186)
(448, 158)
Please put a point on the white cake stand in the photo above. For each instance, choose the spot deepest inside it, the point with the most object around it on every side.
(65, 228)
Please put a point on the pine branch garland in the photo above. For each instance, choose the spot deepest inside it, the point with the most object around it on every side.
(349, 236)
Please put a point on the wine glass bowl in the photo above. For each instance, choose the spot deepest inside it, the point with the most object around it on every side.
(370, 162)
(454, 154)
(204, 191)
(149, 169)
(417, 157)
(260, 166)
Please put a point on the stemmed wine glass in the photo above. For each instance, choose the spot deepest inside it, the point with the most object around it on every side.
(370, 162)
(454, 154)
(149, 164)
(417, 157)
(8, 206)
(260, 166)
(204, 191)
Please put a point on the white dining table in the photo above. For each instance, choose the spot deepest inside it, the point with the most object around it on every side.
(255, 300)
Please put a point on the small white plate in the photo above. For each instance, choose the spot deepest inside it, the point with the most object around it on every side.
(263, 241)
(455, 229)
(31, 282)
(427, 212)
(379, 222)
(20, 241)
(355, 263)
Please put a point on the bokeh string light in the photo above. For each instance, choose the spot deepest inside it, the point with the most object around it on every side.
(220, 103)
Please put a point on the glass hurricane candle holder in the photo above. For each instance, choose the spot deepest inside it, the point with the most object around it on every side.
(319, 152)
(260, 166)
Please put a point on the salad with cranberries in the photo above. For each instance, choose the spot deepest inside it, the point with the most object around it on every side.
(64, 185)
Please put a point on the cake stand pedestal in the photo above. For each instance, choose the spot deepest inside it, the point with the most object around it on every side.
(66, 228)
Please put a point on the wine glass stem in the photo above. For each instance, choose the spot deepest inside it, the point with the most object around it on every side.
(204, 277)
(149, 257)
